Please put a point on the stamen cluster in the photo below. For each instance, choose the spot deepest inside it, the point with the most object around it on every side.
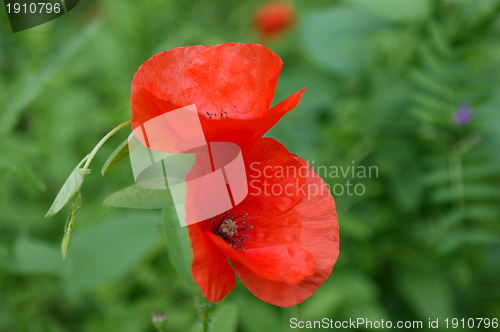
(230, 229)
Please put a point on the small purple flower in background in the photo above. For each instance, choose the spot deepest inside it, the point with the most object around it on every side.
(463, 115)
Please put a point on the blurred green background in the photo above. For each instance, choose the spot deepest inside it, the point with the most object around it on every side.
(385, 80)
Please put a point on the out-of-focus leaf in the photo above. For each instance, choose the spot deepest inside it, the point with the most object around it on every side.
(135, 197)
(120, 153)
(438, 176)
(23, 171)
(269, 317)
(318, 99)
(343, 290)
(70, 224)
(109, 249)
(439, 39)
(407, 188)
(479, 191)
(225, 319)
(480, 170)
(327, 299)
(428, 292)
(355, 227)
(178, 244)
(396, 10)
(132, 316)
(4, 257)
(483, 212)
(336, 38)
(432, 84)
(68, 190)
(36, 257)
(433, 104)
(33, 84)
(459, 239)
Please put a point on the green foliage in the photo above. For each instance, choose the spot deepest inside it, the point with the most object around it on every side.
(395, 10)
(109, 250)
(68, 190)
(225, 319)
(135, 197)
(250, 308)
(34, 256)
(337, 38)
(384, 81)
(70, 224)
(178, 244)
(120, 153)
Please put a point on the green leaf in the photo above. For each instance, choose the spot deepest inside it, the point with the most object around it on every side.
(35, 257)
(396, 10)
(434, 104)
(70, 224)
(482, 211)
(68, 190)
(109, 249)
(440, 176)
(337, 38)
(346, 290)
(21, 170)
(225, 319)
(178, 244)
(120, 153)
(467, 239)
(432, 84)
(428, 292)
(135, 197)
(30, 86)
(439, 39)
(269, 317)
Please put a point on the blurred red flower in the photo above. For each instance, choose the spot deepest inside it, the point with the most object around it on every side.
(282, 240)
(232, 86)
(273, 18)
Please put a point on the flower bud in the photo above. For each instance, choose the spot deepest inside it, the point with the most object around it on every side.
(159, 319)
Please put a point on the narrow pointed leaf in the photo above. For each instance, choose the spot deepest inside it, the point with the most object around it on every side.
(178, 244)
(135, 197)
(70, 224)
(120, 153)
(68, 190)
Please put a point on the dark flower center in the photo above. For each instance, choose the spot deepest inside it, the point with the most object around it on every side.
(231, 229)
(228, 228)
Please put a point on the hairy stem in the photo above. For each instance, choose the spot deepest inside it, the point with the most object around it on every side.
(206, 315)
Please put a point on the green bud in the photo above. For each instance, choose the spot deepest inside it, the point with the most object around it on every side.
(159, 319)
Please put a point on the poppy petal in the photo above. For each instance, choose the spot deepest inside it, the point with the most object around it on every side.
(278, 263)
(158, 86)
(232, 86)
(272, 171)
(311, 225)
(288, 104)
(243, 131)
(211, 271)
(233, 80)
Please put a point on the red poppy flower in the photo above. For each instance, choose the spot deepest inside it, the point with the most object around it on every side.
(282, 240)
(231, 85)
(274, 18)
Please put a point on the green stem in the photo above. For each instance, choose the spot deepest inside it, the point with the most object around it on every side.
(92, 154)
(206, 315)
